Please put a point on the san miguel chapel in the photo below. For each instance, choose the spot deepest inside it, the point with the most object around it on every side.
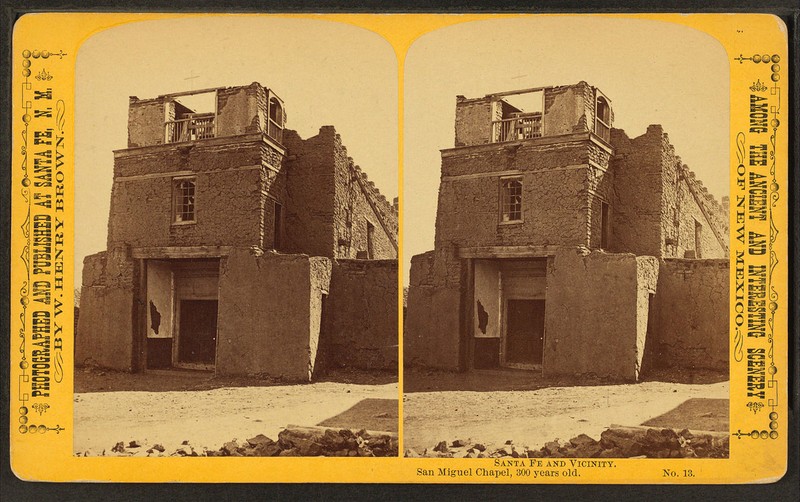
(564, 246)
(236, 246)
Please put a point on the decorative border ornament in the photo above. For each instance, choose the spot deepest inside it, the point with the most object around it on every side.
(24, 379)
(771, 384)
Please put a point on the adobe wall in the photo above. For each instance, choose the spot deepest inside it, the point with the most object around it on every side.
(240, 110)
(473, 124)
(568, 109)
(269, 314)
(330, 200)
(488, 308)
(310, 192)
(357, 201)
(273, 189)
(657, 200)
(694, 204)
(596, 313)
(691, 315)
(361, 315)
(555, 202)
(146, 122)
(636, 203)
(432, 326)
(107, 322)
(227, 195)
(600, 186)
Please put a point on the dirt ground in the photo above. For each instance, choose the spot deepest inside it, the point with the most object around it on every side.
(168, 408)
(530, 410)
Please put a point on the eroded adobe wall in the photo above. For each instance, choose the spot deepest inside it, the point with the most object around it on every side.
(273, 190)
(647, 273)
(599, 189)
(240, 110)
(361, 315)
(596, 313)
(106, 326)
(568, 109)
(657, 200)
(636, 203)
(146, 122)
(474, 121)
(269, 314)
(357, 201)
(319, 274)
(330, 201)
(229, 181)
(487, 310)
(555, 201)
(692, 204)
(432, 326)
(310, 192)
(691, 322)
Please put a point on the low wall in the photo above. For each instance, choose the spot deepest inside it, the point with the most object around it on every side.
(596, 313)
(360, 324)
(432, 324)
(691, 315)
(106, 324)
(269, 314)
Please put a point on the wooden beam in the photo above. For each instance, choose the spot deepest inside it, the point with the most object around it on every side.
(520, 91)
(173, 252)
(507, 251)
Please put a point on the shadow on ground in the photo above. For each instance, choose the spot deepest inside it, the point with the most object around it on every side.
(90, 379)
(697, 414)
(371, 414)
(417, 379)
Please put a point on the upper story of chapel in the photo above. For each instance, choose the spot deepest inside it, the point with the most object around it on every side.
(528, 114)
(183, 117)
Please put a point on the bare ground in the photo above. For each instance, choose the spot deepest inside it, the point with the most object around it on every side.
(530, 410)
(168, 408)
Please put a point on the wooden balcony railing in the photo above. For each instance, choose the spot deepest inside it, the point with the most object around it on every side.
(522, 126)
(198, 126)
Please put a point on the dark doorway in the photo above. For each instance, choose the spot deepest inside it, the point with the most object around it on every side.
(198, 331)
(524, 332)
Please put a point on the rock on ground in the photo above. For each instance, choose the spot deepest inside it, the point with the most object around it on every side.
(615, 442)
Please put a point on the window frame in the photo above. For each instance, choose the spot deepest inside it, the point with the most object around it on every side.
(505, 201)
(370, 238)
(178, 196)
(605, 225)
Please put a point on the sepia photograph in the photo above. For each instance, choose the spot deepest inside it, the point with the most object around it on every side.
(237, 262)
(474, 248)
(567, 294)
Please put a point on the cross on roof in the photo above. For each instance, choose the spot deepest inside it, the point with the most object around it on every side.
(192, 76)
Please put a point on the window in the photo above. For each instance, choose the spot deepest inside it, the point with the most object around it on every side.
(698, 239)
(511, 200)
(370, 243)
(602, 119)
(276, 120)
(605, 224)
(277, 224)
(183, 200)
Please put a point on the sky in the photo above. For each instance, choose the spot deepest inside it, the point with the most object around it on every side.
(653, 72)
(326, 73)
(330, 73)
